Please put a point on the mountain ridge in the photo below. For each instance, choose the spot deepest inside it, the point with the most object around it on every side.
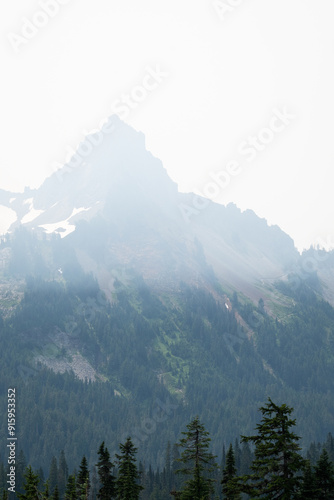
(127, 192)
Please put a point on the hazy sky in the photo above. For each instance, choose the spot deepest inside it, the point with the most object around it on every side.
(235, 97)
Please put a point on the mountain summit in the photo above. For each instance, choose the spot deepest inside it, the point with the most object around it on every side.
(114, 194)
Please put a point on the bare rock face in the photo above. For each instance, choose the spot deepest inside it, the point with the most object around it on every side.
(59, 352)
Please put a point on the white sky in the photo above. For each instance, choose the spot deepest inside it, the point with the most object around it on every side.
(226, 75)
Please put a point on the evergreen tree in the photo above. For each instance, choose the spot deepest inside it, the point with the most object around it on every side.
(83, 481)
(71, 491)
(53, 475)
(46, 492)
(127, 487)
(55, 495)
(308, 487)
(104, 470)
(230, 489)
(324, 477)
(277, 462)
(30, 486)
(62, 473)
(198, 463)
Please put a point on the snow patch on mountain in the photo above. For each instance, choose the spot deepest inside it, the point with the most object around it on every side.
(64, 227)
(78, 211)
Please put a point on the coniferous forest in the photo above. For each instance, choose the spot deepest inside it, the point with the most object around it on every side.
(268, 464)
(91, 371)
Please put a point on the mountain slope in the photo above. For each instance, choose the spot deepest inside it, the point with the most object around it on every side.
(103, 278)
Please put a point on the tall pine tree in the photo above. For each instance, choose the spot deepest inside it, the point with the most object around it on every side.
(30, 486)
(308, 489)
(62, 473)
(55, 495)
(324, 477)
(53, 475)
(104, 470)
(197, 462)
(71, 490)
(127, 487)
(230, 489)
(46, 492)
(277, 465)
(83, 481)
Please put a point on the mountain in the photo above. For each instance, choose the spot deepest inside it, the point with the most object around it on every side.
(123, 196)
(127, 307)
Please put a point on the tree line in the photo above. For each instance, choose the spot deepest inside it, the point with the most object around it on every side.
(276, 469)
